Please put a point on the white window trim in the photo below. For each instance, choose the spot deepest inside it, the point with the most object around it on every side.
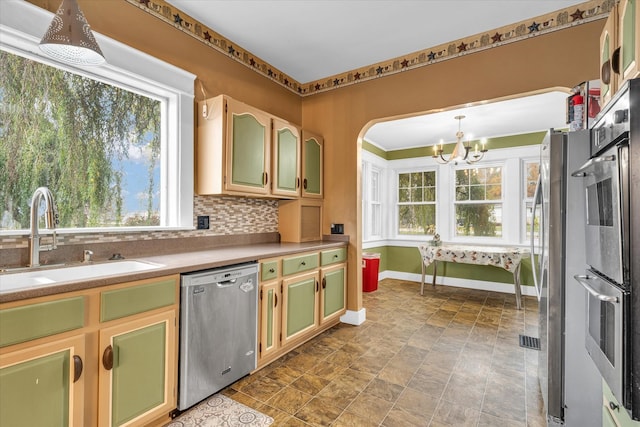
(510, 159)
(416, 164)
(372, 162)
(523, 191)
(21, 27)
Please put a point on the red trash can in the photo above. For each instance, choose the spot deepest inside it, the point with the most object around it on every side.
(370, 266)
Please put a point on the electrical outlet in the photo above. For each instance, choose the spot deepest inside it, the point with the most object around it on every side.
(203, 222)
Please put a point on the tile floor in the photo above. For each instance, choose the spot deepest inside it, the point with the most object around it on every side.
(448, 358)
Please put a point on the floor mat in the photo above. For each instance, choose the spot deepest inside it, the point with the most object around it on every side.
(219, 410)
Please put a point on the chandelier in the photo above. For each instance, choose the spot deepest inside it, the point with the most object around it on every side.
(462, 151)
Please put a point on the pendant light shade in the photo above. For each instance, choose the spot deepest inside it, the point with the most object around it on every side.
(69, 38)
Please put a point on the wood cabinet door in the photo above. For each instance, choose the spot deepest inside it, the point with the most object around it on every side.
(286, 159)
(248, 145)
(333, 295)
(312, 164)
(299, 306)
(608, 43)
(269, 328)
(628, 39)
(44, 385)
(137, 370)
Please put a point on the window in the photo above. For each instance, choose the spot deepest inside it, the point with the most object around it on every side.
(417, 203)
(95, 145)
(530, 180)
(376, 205)
(106, 140)
(478, 202)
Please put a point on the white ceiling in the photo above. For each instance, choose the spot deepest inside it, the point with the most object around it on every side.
(314, 39)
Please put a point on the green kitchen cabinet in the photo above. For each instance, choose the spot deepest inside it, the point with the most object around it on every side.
(312, 164)
(233, 148)
(248, 147)
(43, 385)
(294, 303)
(613, 413)
(628, 39)
(269, 319)
(333, 293)
(608, 44)
(285, 155)
(137, 370)
(300, 299)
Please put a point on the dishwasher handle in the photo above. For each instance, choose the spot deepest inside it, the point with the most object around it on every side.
(226, 283)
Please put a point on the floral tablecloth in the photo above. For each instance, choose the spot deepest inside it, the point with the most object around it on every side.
(508, 258)
(503, 257)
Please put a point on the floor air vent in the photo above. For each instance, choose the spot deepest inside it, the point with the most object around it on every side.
(529, 342)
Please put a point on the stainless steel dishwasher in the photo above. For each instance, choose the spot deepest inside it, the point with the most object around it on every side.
(218, 330)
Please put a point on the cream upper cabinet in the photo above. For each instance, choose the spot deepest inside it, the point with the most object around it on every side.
(233, 148)
(312, 164)
(608, 44)
(285, 157)
(628, 39)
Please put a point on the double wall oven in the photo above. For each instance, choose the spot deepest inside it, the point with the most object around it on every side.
(612, 242)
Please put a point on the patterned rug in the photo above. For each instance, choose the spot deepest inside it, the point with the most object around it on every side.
(219, 410)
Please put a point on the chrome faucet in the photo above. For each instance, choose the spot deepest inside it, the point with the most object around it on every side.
(50, 219)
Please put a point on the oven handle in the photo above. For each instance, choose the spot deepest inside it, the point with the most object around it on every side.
(582, 280)
(581, 172)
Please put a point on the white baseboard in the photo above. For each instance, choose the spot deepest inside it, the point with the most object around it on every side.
(461, 283)
(354, 317)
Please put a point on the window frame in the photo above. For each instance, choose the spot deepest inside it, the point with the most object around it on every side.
(136, 71)
(525, 199)
(455, 203)
(396, 202)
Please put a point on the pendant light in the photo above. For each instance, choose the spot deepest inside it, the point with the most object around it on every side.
(461, 150)
(69, 38)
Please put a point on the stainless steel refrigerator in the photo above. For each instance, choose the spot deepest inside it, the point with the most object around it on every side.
(570, 383)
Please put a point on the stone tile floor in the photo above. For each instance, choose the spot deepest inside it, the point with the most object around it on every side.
(448, 358)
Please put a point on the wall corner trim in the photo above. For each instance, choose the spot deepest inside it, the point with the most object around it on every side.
(354, 317)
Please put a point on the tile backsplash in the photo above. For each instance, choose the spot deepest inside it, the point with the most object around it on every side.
(228, 216)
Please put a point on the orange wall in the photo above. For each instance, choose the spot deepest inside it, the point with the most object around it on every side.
(561, 59)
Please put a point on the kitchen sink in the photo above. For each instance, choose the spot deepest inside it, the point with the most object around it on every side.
(38, 277)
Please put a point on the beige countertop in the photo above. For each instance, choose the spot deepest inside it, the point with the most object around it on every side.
(182, 262)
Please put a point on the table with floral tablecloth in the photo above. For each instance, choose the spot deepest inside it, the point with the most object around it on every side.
(508, 258)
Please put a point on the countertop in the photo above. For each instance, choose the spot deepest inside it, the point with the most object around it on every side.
(182, 262)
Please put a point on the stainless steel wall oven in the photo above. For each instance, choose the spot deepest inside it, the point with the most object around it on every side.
(612, 235)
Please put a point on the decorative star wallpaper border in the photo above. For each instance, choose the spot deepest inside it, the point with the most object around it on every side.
(576, 15)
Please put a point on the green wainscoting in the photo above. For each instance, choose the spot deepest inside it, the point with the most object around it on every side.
(407, 260)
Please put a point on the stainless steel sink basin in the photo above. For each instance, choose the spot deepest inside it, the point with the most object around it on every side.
(34, 278)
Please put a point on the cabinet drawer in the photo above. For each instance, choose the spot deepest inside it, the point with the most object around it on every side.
(299, 264)
(333, 256)
(20, 324)
(268, 270)
(137, 299)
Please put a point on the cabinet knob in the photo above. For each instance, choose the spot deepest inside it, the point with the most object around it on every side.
(613, 406)
(304, 183)
(303, 263)
(272, 270)
(276, 302)
(298, 182)
(77, 368)
(324, 283)
(107, 358)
